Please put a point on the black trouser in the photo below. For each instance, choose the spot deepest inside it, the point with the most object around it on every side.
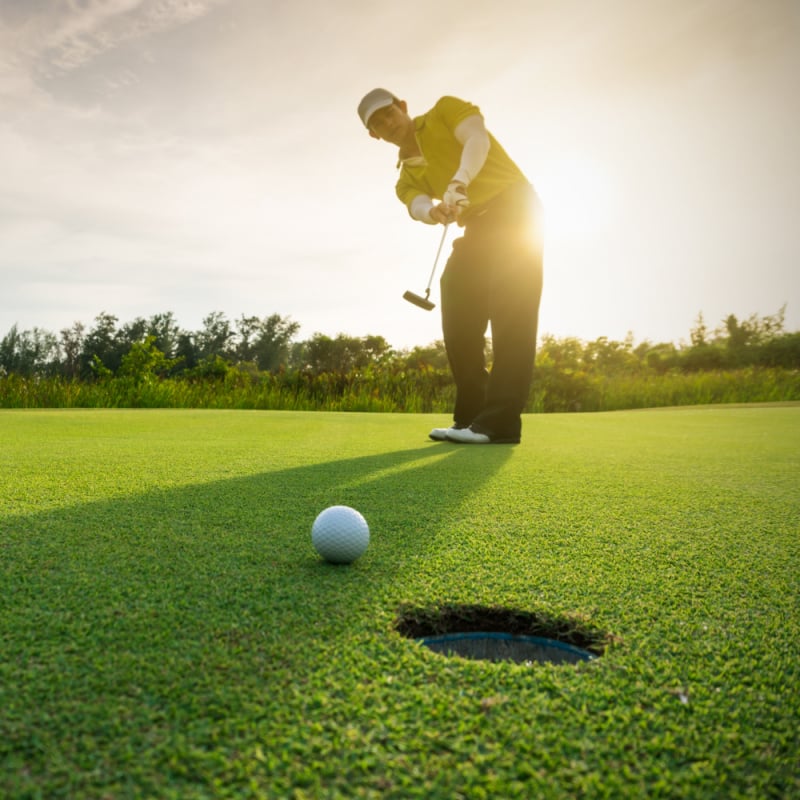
(494, 275)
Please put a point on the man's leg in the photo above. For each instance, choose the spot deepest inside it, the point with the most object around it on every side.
(514, 297)
(465, 317)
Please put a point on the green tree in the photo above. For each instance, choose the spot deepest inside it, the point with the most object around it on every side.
(782, 351)
(565, 354)
(266, 342)
(29, 353)
(71, 344)
(703, 354)
(215, 338)
(166, 332)
(659, 357)
(130, 333)
(374, 350)
(610, 357)
(186, 350)
(698, 335)
(340, 355)
(101, 343)
(432, 356)
(145, 363)
(247, 331)
(9, 351)
(271, 348)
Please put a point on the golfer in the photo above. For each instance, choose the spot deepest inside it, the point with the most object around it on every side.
(453, 169)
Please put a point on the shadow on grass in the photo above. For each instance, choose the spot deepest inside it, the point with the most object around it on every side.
(141, 624)
(174, 564)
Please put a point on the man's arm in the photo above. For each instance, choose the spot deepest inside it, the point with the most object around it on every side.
(471, 133)
(474, 137)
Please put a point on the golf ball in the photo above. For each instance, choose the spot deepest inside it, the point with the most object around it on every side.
(340, 534)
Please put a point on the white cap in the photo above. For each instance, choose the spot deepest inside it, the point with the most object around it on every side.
(374, 100)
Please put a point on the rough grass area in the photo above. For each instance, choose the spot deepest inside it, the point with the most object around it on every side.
(168, 631)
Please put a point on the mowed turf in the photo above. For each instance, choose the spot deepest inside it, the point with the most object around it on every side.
(168, 631)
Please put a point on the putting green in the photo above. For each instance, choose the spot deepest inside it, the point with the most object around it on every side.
(168, 630)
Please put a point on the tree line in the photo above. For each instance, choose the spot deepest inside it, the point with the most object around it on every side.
(268, 344)
(263, 344)
(258, 363)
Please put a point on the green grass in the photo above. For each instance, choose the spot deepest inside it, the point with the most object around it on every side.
(167, 631)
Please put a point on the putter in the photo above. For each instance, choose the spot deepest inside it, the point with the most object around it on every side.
(424, 302)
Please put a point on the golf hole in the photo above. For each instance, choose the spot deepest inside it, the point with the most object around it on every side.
(502, 634)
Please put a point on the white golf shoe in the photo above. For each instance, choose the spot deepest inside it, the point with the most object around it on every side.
(466, 436)
(442, 434)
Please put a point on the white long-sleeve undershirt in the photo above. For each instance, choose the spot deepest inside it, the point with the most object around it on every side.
(471, 133)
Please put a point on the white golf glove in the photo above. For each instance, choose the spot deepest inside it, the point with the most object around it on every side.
(456, 197)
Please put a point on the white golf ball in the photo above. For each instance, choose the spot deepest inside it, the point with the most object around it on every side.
(340, 534)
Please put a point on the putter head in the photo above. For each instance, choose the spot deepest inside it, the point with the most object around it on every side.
(422, 302)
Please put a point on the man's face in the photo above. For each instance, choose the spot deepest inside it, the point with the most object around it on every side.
(392, 123)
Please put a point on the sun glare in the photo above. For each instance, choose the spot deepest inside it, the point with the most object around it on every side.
(578, 196)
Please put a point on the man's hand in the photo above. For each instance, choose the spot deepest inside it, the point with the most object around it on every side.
(453, 203)
(456, 196)
(442, 214)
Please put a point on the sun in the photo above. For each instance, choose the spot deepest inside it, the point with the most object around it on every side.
(579, 198)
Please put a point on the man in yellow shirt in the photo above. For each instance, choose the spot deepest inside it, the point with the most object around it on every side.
(453, 169)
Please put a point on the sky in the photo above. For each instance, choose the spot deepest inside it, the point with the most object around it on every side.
(206, 155)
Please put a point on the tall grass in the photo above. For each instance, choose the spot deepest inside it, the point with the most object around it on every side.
(582, 392)
(750, 385)
(411, 391)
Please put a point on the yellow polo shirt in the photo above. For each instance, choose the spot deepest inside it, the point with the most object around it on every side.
(441, 157)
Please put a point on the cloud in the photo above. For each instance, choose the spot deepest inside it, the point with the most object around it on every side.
(56, 37)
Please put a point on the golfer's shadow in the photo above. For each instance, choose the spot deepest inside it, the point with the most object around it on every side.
(399, 493)
(241, 545)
